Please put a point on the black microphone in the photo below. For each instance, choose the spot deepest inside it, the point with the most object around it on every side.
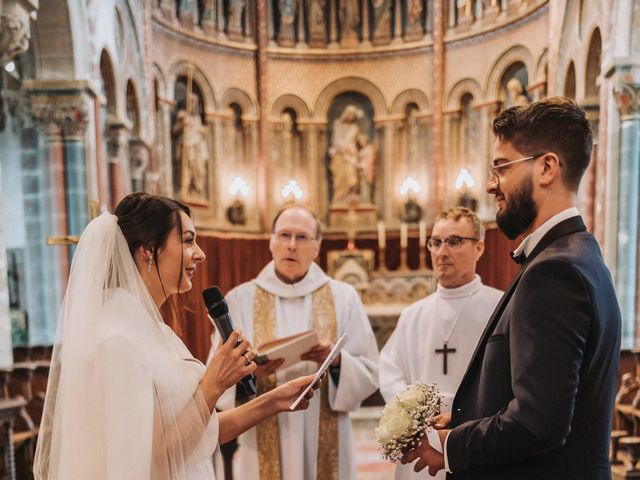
(218, 310)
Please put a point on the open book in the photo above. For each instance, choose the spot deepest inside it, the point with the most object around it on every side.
(290, 348)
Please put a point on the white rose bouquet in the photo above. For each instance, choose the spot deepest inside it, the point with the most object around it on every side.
(404, 419)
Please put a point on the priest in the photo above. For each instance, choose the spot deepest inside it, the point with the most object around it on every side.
(436, 336)
(292, 295)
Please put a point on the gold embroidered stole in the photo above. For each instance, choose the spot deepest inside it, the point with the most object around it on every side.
(324, 323)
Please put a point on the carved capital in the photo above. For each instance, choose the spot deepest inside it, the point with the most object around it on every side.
(627, 90)
(68, 120)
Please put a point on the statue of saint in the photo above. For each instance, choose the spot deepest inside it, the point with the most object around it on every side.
(316, 23)
(344, 155)
(287, 138)
(349, 19)
(189, 11)
(236, 7)
(515, 94)
(414, 20)
(382, 21)
(209, 11)
(287, 13)
(366, 168)
(192, 151)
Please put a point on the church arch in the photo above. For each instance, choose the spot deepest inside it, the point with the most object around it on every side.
(540, 73)
(569, 89)
(350, 84)
(406, 97)
(133, 107)
(516, 54)
(184, 69)
(161, 81)
(592, 67)
(240, 98)
(108, 77)
(464, 86)
(293, 102)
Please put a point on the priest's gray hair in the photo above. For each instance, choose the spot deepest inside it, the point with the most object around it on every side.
(456, 213)
(300, 207)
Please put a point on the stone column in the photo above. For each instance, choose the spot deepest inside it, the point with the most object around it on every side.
(389, 196)
(118, 147)
(165, 160)
(263, 139)
(438, 94)
(626, 91)
(14, 40)
(47, 267)
(75, 171)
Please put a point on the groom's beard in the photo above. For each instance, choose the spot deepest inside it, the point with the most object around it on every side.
(519, 212)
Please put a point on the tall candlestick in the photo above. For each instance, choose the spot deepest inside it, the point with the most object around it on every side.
(403, 235)
(382, 235)
(422, 234)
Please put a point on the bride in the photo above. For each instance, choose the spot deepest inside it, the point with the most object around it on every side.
(126, 399)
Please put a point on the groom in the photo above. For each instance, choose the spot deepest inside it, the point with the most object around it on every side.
(537, 398)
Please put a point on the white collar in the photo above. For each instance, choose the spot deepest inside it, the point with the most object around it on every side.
(269, 281)
(462, 291)
(530, 241)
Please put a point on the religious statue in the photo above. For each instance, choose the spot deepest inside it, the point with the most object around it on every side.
(317, 24)
(515, 94)
(381, 21)
(192, 151)
(414, 29)
(349, 20)
(287, 14)
(366, 168)
(139, 161)
(209, 13)
(188, 12)
(344, 155)
(288, 128)
(236, 7)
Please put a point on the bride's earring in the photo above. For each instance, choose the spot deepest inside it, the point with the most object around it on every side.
(149, 265)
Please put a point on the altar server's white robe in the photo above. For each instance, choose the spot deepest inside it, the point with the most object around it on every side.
(409, 355)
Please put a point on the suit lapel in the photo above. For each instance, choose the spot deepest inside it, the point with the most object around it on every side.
(566, 227)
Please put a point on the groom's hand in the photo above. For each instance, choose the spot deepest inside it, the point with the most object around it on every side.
(427, 457)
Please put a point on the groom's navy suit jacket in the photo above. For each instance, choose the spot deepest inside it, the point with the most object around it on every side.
(537, 398)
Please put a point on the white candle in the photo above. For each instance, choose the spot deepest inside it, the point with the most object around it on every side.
(422, 233)
(403, 235)
(382, 235)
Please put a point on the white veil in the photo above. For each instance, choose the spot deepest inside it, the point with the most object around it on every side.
(123, 398)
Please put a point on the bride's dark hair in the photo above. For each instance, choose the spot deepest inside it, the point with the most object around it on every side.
(146, 221)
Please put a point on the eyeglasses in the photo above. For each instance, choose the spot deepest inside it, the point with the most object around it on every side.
(284, 236)
(454, 242)
(494, 166)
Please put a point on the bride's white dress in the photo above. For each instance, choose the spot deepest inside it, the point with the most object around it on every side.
(123, 400)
